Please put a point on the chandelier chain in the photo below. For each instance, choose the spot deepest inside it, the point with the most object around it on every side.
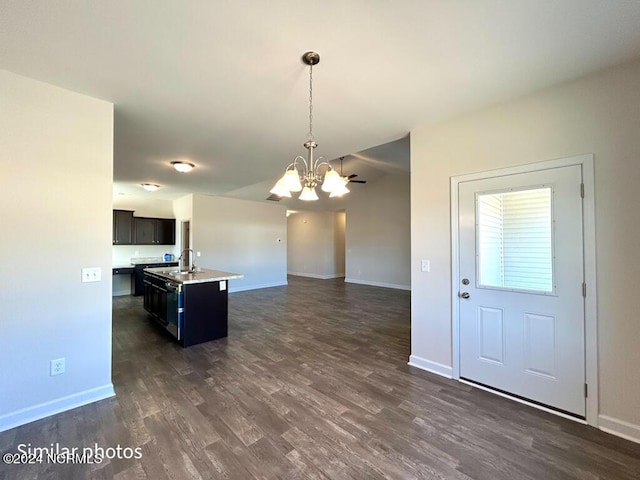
(311, 103)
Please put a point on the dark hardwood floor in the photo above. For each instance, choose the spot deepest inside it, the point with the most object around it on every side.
(312, 382)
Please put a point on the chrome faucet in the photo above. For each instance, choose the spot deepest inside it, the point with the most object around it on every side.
(181, 259)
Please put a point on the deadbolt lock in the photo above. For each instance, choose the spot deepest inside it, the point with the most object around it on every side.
(465, 281)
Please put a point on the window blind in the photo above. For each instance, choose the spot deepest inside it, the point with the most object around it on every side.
(514, 237)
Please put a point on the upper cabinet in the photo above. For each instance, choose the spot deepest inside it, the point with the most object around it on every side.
(144, 231)
(166, 231)
(130, 230)
(154, 231)
(122, 227)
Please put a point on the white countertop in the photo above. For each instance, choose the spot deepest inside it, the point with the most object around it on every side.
(123, 265)
(202, 275)
(137, 261)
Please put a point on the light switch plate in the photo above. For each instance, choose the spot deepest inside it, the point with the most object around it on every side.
(92, 274)
(223, 285)
(426, 265)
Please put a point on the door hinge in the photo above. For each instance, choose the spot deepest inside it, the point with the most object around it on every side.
(586, 390)
(584, 289)
(582, 190)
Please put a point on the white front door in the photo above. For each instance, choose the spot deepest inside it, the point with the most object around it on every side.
(521, 302)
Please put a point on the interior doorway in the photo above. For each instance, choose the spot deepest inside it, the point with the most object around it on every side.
(186, 243)
(316, 244)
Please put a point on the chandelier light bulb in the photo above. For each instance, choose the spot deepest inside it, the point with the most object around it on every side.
(292, 180)
(280, 189)
(342, 188)
(308, 194)
(332, 181)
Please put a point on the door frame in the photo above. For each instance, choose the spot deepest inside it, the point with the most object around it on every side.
(590, 301)
(185, 241)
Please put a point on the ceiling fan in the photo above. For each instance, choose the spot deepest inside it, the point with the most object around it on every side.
(350, 177)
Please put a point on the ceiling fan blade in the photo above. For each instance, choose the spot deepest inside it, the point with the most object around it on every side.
(357, 181)
(353, 175)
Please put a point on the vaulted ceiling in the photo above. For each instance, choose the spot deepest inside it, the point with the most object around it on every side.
(221, 83)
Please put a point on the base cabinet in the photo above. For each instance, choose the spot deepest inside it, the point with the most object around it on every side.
(155, 299)
(191, 313)
(139, 275)
(205, 313)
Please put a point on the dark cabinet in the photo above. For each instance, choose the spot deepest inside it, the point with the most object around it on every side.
(139, 275)
(155, 298)
(192, 313)
(122, 271)
(122, 227)
(166, 231)
(205, 313)
(154, 231)
(144, 231)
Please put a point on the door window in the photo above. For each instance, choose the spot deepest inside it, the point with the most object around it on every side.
(514, 241)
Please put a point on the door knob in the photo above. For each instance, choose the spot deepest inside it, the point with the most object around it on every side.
(463, 294)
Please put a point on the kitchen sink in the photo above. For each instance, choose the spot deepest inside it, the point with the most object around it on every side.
(177, 273)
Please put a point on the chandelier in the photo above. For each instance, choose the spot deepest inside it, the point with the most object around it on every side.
(304, 175)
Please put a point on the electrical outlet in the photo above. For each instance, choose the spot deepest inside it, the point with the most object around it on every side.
(197, 254)
(57, 366)
(93, 274)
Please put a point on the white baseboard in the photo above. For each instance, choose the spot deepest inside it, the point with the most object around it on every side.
(620, 428)
(429, 366)
(59, 405)
(315, 275)
(378, 284)
(255, 287)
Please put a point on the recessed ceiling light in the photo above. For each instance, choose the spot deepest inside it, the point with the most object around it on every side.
(183, 167)
(150, 187)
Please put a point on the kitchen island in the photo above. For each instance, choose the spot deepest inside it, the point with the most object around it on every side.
(191, 305)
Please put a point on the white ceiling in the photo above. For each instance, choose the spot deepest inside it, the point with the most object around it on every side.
(220, 83)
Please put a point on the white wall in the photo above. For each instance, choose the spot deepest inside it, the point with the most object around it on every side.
(243, 237)
(315, 244)
(378, 233)
(144, 205)
(599, 114)
(56, 181)
(183, 212)
(183, 208)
